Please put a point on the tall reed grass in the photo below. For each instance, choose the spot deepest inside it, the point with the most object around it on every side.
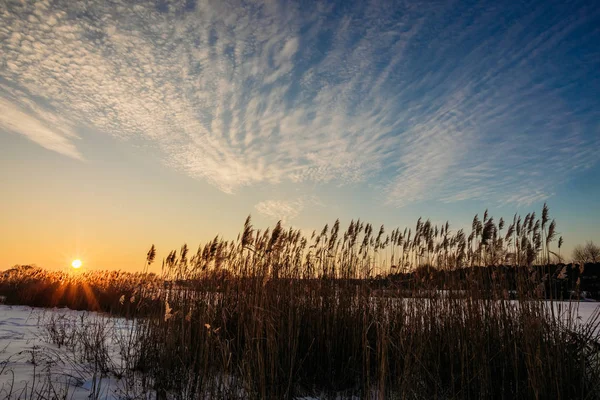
(408, 315)
(275, 315)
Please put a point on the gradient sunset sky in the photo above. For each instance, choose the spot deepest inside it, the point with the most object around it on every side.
(124, 123)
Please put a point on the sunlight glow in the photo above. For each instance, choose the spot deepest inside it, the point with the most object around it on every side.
(76, 264)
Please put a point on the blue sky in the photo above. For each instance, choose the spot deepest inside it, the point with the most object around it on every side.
(301, 111)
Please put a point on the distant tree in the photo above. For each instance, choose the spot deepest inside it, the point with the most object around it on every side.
(590, 253)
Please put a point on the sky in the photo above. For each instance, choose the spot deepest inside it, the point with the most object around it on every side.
(128, 123)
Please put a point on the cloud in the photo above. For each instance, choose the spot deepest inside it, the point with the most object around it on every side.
(427, 101)
(287, 210)
(13, 119)
(280, 209)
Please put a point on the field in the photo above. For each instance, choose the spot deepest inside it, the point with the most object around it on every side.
(43, 353)
(354, 314)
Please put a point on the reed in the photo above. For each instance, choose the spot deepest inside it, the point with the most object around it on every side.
(408, 314)
(276, 315)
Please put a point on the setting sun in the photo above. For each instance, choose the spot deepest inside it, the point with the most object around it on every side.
(76, 264)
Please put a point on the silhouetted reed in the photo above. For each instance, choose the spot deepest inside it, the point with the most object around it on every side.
(277, 315)
(405, 314)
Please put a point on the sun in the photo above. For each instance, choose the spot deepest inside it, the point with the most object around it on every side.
(76, 264)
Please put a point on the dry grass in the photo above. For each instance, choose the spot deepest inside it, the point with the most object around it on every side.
(275, 315)
(108, 291)
(283, 338)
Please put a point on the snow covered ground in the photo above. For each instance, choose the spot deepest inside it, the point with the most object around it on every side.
(34, 366)
(584, 309)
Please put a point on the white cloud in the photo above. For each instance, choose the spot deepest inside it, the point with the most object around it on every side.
(13, 119)
(239, 94)
(280, 209)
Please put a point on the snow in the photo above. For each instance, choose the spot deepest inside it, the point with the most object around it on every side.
(30, 362)
(582, 311)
